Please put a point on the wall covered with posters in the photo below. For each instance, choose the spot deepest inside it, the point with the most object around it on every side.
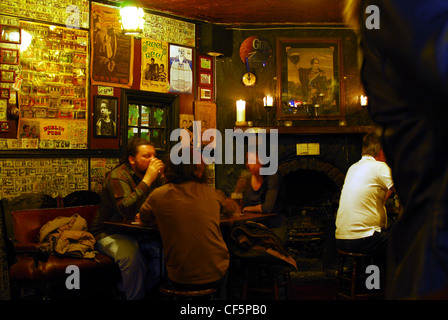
(56, 59)
(53, 176)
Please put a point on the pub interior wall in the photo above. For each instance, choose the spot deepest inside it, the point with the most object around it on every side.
(340, 149)
(58, 176)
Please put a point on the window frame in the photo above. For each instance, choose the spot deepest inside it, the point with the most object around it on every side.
(146, 98)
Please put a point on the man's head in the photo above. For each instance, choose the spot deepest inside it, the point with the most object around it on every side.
(371, 145)
(184, 172)
(104, 109)
(139, 154)
(314, 62)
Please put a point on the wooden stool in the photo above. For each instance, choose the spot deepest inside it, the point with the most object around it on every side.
(351, 276)
(170, 293)
(266, 279)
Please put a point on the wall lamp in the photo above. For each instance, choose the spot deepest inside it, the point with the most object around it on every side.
(268, 101)
(131, 19)
(363, 100)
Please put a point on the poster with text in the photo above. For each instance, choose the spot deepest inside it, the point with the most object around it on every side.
(154, 66)
(112, 51)
(181, 69)
(68, 133)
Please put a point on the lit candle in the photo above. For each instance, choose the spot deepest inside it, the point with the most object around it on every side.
(363, 99)
(268, 101)
(240, 111)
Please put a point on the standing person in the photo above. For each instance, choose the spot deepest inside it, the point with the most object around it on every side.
(125, 189)
(263, 193)
(405, 75)
(361, 218)
(187, 213)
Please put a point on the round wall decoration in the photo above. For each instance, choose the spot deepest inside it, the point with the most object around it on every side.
(257, 51)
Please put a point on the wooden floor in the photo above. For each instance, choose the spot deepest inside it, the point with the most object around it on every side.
(305, 286)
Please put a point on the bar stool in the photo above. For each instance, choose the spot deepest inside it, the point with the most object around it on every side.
(266, 278)
(170, 293)
(351, 276)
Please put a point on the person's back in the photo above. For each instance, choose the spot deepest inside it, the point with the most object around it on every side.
(362, 205)
(188, 215)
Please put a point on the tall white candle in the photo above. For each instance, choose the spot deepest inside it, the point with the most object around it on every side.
(241, 111)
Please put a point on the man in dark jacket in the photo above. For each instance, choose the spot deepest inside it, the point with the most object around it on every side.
(125, 189)
(405, 74)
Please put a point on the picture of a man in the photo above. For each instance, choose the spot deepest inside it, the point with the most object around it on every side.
(105, 126)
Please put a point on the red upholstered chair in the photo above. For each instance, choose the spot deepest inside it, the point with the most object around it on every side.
(32, 269)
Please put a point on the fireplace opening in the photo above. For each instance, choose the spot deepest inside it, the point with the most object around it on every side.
(311, 200)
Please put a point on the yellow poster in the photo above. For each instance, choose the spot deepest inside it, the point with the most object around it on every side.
(154, 66)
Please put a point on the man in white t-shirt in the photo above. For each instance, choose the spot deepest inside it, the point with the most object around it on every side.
(361, 219)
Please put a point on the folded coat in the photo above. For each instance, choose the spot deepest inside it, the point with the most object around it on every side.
(67, 236)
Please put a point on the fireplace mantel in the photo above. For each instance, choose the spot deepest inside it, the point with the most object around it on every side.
(314, 129)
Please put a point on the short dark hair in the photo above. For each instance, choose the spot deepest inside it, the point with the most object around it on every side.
(185, 172)
(133, 144)
(371, 144)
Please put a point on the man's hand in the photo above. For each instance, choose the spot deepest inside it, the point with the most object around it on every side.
(155, 167)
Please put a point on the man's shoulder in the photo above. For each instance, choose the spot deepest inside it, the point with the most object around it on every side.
(120, 172)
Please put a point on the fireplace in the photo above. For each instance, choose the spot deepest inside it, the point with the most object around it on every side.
(312, 191)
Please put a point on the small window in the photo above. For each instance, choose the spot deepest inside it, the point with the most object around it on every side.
(151, 117)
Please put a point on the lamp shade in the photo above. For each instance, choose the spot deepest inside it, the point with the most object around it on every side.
(215, 40)
(132, 19)
(363, 100)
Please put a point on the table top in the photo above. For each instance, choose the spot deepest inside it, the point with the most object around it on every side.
(246, 217)
(135, 225)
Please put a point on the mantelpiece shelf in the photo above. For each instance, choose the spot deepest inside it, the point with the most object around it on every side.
(314, 129)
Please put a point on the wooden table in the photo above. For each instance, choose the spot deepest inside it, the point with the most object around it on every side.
(132, 225)
(137, 226)
(252, 216)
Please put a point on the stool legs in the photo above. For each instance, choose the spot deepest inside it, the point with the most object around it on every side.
(353, 279)
(274, 281)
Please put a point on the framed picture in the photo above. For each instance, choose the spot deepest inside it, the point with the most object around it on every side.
(7, 75)
(205, 79)
(9, 56)
(4, 93)
(309, 73)
(205, 93)
(3, 109)
(205, 112)
(10, 34)
(181, 69)
(4, 126)
(205, 63)
(105, 117)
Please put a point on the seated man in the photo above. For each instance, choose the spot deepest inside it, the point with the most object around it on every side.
(125, 189)
(361, 218)
(187, 213)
